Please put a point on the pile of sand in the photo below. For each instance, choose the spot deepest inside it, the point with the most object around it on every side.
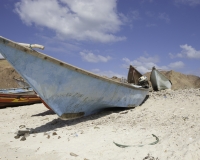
(7, 72)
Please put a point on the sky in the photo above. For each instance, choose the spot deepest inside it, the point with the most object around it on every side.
(106, 36)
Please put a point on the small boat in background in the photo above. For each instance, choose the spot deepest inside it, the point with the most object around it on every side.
(159, 81)
(133, 75)
(13, 100)
(13, 97)
(136, 78)
(69, 91)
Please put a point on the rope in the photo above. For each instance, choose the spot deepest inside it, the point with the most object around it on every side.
(124, 146)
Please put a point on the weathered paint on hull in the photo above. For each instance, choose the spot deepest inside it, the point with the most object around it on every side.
(18, 91)
(159, 81)
(69, 91)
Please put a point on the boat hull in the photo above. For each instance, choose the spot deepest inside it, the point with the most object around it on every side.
(24, 91)
(133, 75)
(159, 81)
(69, 91)
(13, 100)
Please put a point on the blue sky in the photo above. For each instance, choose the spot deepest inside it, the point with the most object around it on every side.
(106, 36)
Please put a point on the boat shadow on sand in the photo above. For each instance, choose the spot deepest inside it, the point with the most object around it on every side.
(59, 123)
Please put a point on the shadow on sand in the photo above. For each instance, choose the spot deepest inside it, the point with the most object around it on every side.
(48, 112)
(59, 123)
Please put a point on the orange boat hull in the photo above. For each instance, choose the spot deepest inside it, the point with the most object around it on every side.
(12, 100)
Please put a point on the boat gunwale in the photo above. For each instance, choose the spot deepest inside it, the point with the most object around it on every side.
(13, 95)
(59, 62)
(15, 89)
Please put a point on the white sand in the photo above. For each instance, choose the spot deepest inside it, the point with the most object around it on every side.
(173, 116)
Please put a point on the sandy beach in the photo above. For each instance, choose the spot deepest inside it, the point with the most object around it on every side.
(172, 116)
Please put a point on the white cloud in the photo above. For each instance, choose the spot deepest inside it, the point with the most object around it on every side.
(149, 59)
(74, 19)
(172, 56)
(56, 45)
(188, 2)
(135, 15)
(130, 17)
(1, 57)
(144, 64)
(176, 65)
(186, 52)
(189, 52)
(107, 73)
(90, 57)
(164, 16)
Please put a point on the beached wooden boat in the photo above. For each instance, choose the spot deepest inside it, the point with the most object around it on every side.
(69, 91)
(18, 96)
(133, 75)
(159, 81)
(136, 78)
(12, 100)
